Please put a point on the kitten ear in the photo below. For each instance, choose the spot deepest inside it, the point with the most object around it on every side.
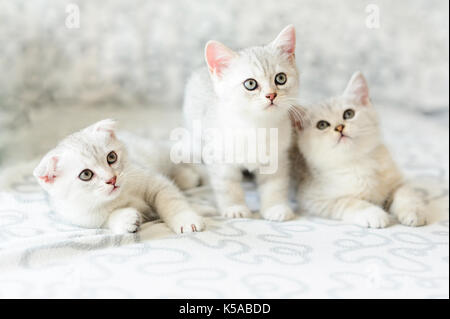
(286, 40)
(109, 126)
(218, 57)
(299, 118)
(47, 170)
(358, 89)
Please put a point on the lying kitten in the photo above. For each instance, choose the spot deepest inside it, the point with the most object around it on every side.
(92, 184)
(347, 172)
(249, 89)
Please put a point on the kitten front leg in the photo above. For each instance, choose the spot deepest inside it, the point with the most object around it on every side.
(274, 193)
(124, 220)
(173, 207)
(408, 206)
(230, 196)
(349, 209)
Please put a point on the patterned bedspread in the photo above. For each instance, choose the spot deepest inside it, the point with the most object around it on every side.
(41, 256)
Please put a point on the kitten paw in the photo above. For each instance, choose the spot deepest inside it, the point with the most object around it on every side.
(278, 213)
(125, 221)
(237, 211)
(372, 217)
(187, 222)
(413, 218)
(408, 206)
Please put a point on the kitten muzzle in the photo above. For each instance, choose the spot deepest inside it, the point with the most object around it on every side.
(113, 182)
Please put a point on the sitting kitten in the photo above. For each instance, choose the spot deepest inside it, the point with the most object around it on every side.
(249, 89)
(346, 171)
(92, 184)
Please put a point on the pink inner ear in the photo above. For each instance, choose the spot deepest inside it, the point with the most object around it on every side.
(218, 57)
(286, 40)
(51, 171)
(358, 89)
(108, 126)
(296, 121)
(362, 95)
(289, 45)
(110, 132)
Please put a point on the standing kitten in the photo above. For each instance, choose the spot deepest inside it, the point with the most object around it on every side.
(92, 184)
(249, 89)
(349, 173)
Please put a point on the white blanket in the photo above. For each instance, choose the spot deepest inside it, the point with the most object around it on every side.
(41, 256)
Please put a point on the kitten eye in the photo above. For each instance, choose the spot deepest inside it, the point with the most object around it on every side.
(280, 79)
(250, 84)
(321, 125)
(348, 114)
(112, 157)
(86, 175)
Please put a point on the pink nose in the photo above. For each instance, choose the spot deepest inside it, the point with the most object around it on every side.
(271, 96)
(112, 181)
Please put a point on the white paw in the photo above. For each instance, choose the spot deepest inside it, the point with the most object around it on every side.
(413, 218)
(372, 217)
(127, 221)
(186, 222)
(237, 211)
(278, 213)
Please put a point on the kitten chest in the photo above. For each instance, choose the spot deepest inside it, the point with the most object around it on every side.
(362, 181)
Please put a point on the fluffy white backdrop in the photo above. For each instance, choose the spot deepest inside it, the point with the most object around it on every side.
(130, 59)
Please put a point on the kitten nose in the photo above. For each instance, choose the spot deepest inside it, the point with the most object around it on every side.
(112, 181)
(271, 96)
(339, 128)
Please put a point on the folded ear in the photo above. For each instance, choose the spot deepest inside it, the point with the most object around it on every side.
(109, 126)
(47, 170)
(218, 57)
(286, 40)
(358, 89)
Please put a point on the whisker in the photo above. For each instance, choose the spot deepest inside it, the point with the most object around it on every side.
(299, 115)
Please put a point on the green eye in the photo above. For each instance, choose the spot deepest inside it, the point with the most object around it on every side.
(348, 114)
(250, 84)
(321, 125)
(111, 158)
(86, 175)
(280, 79)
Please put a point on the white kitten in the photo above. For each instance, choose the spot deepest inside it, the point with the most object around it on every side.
(249, 89)
(349, 173)
(92, 184)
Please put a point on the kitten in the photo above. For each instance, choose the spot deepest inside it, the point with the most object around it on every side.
(248, 89)
(92, 184)
(346, 171)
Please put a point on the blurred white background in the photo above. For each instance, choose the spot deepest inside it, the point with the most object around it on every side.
(130, 59)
